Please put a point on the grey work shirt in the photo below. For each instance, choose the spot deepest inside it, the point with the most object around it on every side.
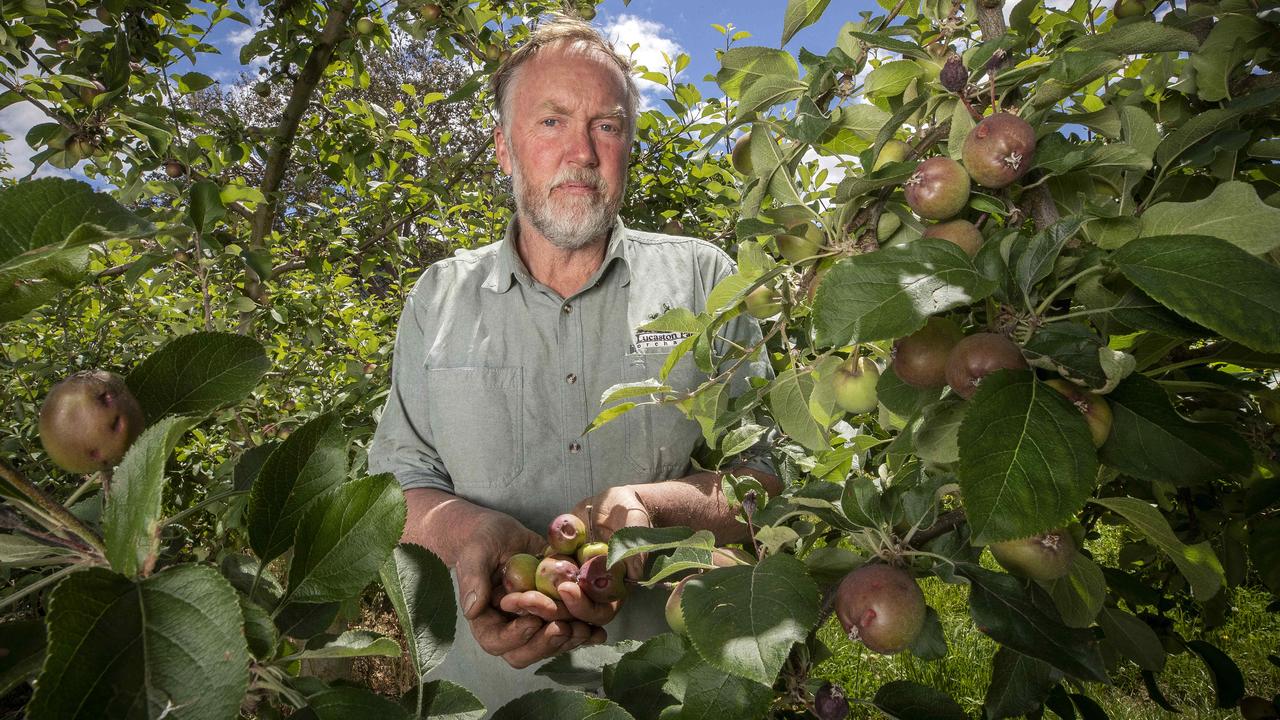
(495, 377)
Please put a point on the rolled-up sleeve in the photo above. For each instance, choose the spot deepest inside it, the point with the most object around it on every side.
(402, 444)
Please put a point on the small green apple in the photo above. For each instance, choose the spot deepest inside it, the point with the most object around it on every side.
(590, 550)
(854, 384)
(764, 302)
(1095, 408)
(1044, 557)
(892, 151)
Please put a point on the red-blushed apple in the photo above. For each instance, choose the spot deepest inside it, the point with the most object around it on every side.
(920, 359)
(880, 606)
(979, 355)
(1094, 407)
(1047, 556)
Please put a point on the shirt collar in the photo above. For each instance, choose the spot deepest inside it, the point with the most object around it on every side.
(508, 267)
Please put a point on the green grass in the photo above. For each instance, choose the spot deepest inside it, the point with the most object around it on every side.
(1249, 635)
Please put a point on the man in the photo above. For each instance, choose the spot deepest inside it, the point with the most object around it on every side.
(503, 353)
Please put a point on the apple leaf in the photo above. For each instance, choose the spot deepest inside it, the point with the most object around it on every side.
(906, 700)
(629, 541)
(1150, 440)
(1182, 271)
(891, 292)
(636, 681)
(1133, 638)
(559, 705)
(706, 692)
(198, 373)
(1079, 595)
(343, 702)
(1002, 609)
(1027, 462)
(1198, 563)
(310, 462)
(344, 539)
(447, 701)
(1232, 212)
(1019, 684)
(171, 645)
(584, 666)
(350, 644)
(744, 619)
(789, 403)
(421, 591)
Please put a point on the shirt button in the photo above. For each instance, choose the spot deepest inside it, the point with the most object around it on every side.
(575, 448)
(566, 309)
(571, 378)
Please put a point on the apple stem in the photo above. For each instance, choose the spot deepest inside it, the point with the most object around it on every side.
(591, 524)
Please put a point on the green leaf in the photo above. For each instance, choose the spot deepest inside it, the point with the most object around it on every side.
(1019, 684)
(1234, 39)
(421, 591)
(1198, 563)
(1264, 550)
(1056, 156)
(643, 388)
(769, 91)
(1035, 259)
(131, 516)
(345, 538)
(744, 619)
(1204, 124)
(741, 67)
(891, 78)
(1079, 595)
(443, 700)
(891, 292)
(560, 705)
(259, 630)
(789, 404)
(53, 215)
(1133, 638)
(1001, 608)
(886, 41)
(1182, 271)
(801, 14)
(1232, 212)
(192, 82)
(21, 551)
(630, 541)
(310, 462)
(1027, 462)
(900, 398)
(350, 644)
(1150, 440)
(1228, 681)
(206, 205)
(707, 693)
(344, 702)
(937, 432)
(198, 373)
(637, 680)
(608, 415)
(584, 666)
(1137, 38)
(906, 700)
(23, 643)
(170, 645)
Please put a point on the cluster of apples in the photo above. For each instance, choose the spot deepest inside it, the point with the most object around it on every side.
(941, 354)
(570, 557)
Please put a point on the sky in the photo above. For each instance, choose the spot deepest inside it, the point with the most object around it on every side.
(657, 26)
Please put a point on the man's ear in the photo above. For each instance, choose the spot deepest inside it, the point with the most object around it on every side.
(500, 149)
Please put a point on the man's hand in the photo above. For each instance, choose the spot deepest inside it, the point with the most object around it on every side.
(612, 510)
(527, 638)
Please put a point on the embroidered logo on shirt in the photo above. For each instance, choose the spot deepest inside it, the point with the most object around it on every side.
(649, 340)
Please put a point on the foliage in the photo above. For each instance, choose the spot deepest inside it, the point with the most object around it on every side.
(246, 275)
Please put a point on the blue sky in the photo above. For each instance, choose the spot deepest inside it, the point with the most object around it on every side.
(658, 26)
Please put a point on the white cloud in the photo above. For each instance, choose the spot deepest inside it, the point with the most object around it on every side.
(244, 33)
(833, 165)
(652, 40)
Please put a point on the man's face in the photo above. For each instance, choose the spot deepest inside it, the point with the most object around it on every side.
(567, 145)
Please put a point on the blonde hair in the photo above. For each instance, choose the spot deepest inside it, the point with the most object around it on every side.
(554, 31)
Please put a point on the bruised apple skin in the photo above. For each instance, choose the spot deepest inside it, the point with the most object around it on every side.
(89, 420)
(601, 583)
(979, 355)
(998, 150)
(553, 571)
(520, 573)
(1047, 556)
(566, 534)
(882, 607)
(920, 359)
(1095, 408)
(938, 189)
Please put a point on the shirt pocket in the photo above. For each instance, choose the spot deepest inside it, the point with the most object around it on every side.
(477, 419)
(659, 437)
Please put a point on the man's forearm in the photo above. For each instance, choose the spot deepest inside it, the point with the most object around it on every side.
(697, 501)
(438, 520)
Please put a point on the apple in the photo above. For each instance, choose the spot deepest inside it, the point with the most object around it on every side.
(801, 243)
(673, 227)
(764, 302)
(892, 151)
(590, 550)
(365, 26)
(601, 583)
(999, 150)
(1095, 408)
(431, 12)
(854, 385)
(1129, 8)
(520, 573)
(566, 534)
(1044, 557)
(920, 359)
(552, 572)
(587, 11)
(89, 420)
(830, 703)
(174, 168)
(961, 233)
(675, 613)
(880, 606)
(741, 156)
(938, 189)
(979, 355)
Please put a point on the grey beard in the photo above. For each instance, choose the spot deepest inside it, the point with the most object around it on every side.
(567, 231)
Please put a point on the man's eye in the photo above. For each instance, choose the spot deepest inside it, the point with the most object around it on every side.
(610, 127)
(550, 122)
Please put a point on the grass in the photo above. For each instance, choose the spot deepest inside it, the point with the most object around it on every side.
(1249, 635)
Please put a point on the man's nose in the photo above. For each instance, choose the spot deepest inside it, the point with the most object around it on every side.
(582, 148)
